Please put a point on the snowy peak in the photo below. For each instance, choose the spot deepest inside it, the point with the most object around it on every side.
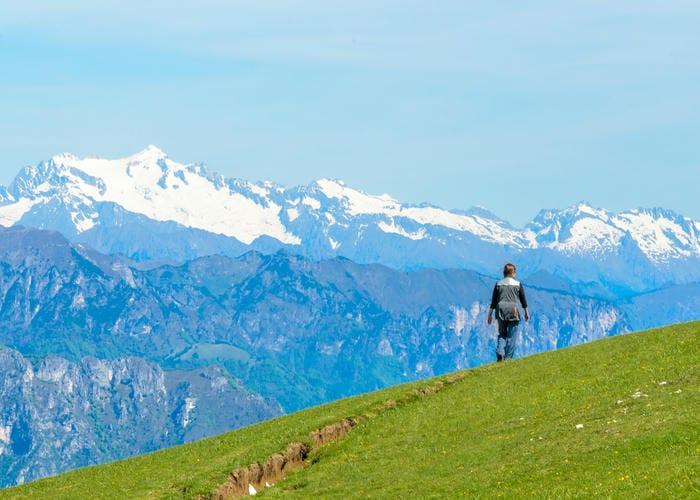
(484, 213)
(547, 218)
(150, 184)
(581, 228)
(354, 201)
(150, 154)
(64, 159)
(324, 218)
(416, 222)
(660, 234)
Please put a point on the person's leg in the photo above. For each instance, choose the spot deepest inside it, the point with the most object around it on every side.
(511, 338)
(501, 341)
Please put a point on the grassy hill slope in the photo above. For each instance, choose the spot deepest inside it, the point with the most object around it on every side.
(614, 418)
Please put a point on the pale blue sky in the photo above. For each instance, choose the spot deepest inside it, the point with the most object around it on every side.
(514, 105)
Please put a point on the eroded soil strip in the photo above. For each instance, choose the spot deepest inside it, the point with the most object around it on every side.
(245, 481)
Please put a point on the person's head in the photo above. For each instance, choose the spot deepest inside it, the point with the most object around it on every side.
(509, 270)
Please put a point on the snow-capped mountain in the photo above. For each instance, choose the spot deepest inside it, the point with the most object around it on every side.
(150, 184)
(150, 207)
(661, 235)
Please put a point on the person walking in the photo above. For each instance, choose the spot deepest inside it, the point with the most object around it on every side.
(507, 295)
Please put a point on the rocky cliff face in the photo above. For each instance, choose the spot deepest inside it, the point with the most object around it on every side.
(58, 415)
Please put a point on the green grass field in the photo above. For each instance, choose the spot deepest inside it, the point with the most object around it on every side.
(616, 418)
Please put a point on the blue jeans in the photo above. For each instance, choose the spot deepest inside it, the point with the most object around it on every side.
(507, 338)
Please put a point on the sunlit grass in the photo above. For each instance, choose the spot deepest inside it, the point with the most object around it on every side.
(615, 418)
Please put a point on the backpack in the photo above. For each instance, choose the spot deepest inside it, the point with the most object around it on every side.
(508, 300)
(508, 311)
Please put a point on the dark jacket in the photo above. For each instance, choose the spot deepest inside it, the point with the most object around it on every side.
(507, 295)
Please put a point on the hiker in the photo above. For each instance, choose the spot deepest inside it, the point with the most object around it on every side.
(508, 294)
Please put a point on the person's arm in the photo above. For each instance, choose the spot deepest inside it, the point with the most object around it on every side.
(494, 302)
(523, 301)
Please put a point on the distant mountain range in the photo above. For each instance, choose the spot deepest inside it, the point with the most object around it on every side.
(151, 208)
(144, 303)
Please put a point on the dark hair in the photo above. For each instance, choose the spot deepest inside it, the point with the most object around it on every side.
(508, 270)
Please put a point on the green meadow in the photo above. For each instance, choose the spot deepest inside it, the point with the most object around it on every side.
(615, 418)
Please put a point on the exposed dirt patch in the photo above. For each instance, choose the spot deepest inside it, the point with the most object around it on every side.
(245, 481)
(258, 475)
(431, 389)
(334, 431)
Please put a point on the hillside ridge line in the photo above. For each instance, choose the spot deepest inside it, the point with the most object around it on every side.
(247, 481)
